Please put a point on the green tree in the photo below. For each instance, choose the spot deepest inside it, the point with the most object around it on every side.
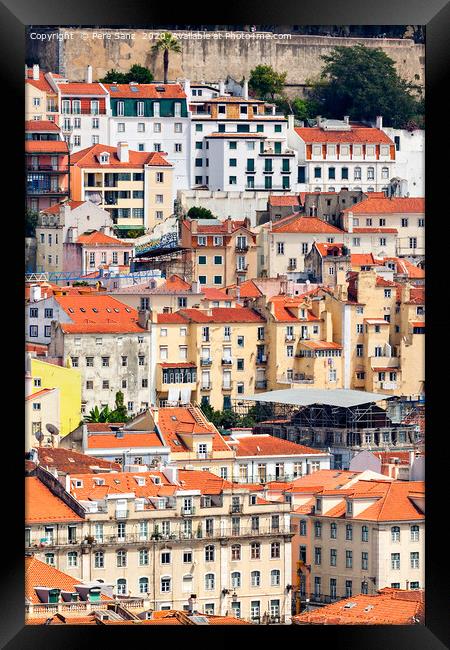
(139, 74)
(362, 83)
(166, 43)
(120, 411)
(114, 77)
(31, 219)
(200, 213)
(95, 415)
(266, 82)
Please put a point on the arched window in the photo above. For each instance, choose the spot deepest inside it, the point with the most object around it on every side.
(370, 173)
(99, 560)
(165, 584)
(357, 174)
(395, 533)
(385, 172)
(365, 534)
(121, 557)
(236, 552)
(143, 585)
(209, 581)
(256, 578)
(235, 579)
(275, 577)
(209, 553)
(414, 533)
(121, 588)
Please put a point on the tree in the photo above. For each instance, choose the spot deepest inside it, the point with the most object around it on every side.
(139, 74)
(302, 109)
(95, 415)
(265, 81)
(120, 412)
(362, 83)
(31, 219)
(114, 77)
(200, 213)
(166, 43)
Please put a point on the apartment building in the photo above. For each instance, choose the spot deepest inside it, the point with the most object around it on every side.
(246, 142)
(221, 355)
(381, 213)
(222, 252)
(135, 187)
(153, 118)
(47, 165)
(326, 263)
(365, 537)
(84, 108)
(337, 155)
(110, 343)
(163, 296)
(42, 408)
(41, 97)
(168, 534)
(409, 158)
(60, 225)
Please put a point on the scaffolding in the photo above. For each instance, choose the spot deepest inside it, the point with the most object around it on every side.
(172, 261)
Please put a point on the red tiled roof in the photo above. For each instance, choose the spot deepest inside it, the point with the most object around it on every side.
(146, 91)
(305, 225)
(178, 365)
(384, 205)
(55, 209)
(89, 158)
(387, 607)
(363, 259)
(417, 296)
(321, 345)
(40, 574)
(216, 228)
(80, 88)
(46, 146)
(129, 440)
(39, 393)
(98, 238)
(68, 461)
(266, 445)
(389, 456)
(41, 505)
(283, 307)
(218, 315)
(112, 316)
(173, 421)
(418, 323)
(175, 283)
(215, 294)
(327, 250)
(355, 135)
(41, 83)
(41, 125)
(375, 230)
(284, 201)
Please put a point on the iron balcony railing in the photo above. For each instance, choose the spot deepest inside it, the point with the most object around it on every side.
(237, 508)
(205, 362)
(47, 168)
(227, 362)
(261, 360)
(187, 511)
(241, 248)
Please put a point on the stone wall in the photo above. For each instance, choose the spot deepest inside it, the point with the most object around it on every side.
(212, 59)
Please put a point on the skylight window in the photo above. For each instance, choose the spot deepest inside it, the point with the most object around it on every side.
(134, 89)
(94, 309)
(128, 310)
(114, 88)
(71, 310)
(82, 309)
(116, 309)
(108, 309)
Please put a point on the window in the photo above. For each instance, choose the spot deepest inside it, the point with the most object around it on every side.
(72, 559)
(121, 558)
(236, 552)
(121, 587)
(349, 531)
(255, 578)
(255, 551)
(165, 584)
(99, 560)
(165, 557)
(275, 550)
(414, 559)
(333, 557)
(280, 248)
(349, 559)
(333, 530)
(348, 589)
(235, 579)
(364, 560)
(317, 555)
(143, 557)
(209, 553)
(365, 534)
(209, 581)
(395, 533)
(395, 560)
(275, 577)
(317, 529)
(105, 362)
(33, 330)
(414, 533)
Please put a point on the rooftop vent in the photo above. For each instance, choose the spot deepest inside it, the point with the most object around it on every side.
(349, 605)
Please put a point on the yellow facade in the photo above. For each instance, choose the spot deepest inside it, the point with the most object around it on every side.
(68, 381)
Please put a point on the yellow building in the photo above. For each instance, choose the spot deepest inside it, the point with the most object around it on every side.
(134, 186)
(41, 98)
(221, 352)
(68, 382)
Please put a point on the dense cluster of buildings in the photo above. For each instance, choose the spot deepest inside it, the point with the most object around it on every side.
(224, 411)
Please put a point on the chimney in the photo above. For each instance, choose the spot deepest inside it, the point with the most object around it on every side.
(122, 152)
(28, 377)
(84, 437)
(171, 473)
(350, 221)
(347, 119)
(245, 89)
(229, 225)
(143, 318)
(89, 74)
(35, 292)
(379, 122)
(187, 88)
(318, 120)
(194, 226)
(194, 286)
(290, 119)
(36, 72)
(221, 88)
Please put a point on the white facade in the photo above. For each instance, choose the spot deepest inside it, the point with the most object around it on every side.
(39, 314)
(410, 158)
(223, 204)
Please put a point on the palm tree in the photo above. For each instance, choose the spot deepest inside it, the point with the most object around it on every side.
(166, 43)
(96, 415)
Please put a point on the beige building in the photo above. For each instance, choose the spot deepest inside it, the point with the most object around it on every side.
(222, 353)
(167, 534)
(135, 187)
(42, 408)
(162, 296)
(223, 252)
(41, 97)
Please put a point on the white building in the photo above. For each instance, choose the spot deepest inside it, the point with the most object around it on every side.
(336, 155)
(409, 158)
(261, 458)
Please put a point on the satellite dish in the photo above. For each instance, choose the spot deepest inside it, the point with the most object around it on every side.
(52, 429)
(39, 435)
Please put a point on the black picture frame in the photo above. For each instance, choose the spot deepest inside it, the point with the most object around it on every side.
(15, 15)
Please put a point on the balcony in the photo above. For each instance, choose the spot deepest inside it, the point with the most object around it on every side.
(205, 362)
(121, 514)
(55, 169)
(292, 267)
(241, 248)
(227, 362)
(45, 191)
(289, 337)
(186, 512)
(205, 387)
(243, 268)
(204, 454)
(236, 509)
(262, 383)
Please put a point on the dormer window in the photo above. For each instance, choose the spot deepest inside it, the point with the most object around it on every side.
(77, 483)
(140, 480)
(350, 508)
(319, 504)
(104, 158)
(253, 499)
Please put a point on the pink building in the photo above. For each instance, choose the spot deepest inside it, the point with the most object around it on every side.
(94, 250)
(47, 165)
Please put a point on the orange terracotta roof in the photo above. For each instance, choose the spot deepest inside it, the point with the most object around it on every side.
(381, 282)
(418, 323)
(305, 225)
(363, 259)
(119, 483)
(286, 200)
(41, 83)
(39, 393)
(355, 135)
(80, 88)
(111, 315)
(41, 125)
(129, 440)
(46, 146)
(375, 230)
(218, 315)
(403, 266)
(323, 478)
(387, 607)
(215, 294)
(216, 228)
(39, 348)
(322, 345)
(55, 209)
(384, 205)
(173, 421)
(266, 445)
(328, 250)
(98, 238)
(176, 317)
(41, 505)
(283, 307)
(89, 158)
(68, 461)
(175, 283)
(417, 296)
(40, 574)
(390, 456)
(248, 289)
(146, 91)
